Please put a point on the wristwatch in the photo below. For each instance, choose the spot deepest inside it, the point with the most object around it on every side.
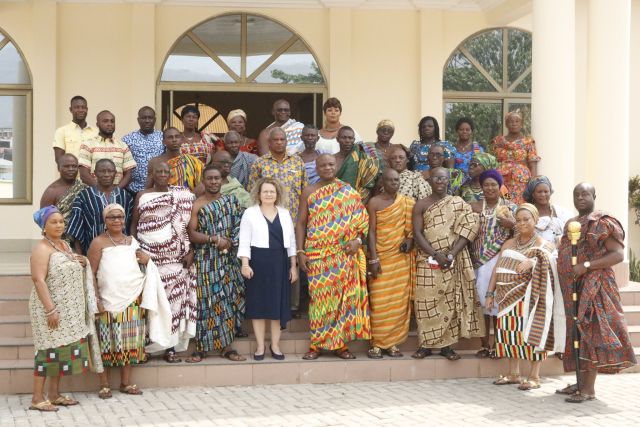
(449, 257)
(586, 265)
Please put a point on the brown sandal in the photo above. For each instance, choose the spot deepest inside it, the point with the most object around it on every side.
(530, 384)
(580, 398)
(44, 406)
(105, 392)
(507, 379)
(483, 353)
(234, 356)
(374, 353)
(130, 389)
(449, 354)
(172, 357)
(196, 357)
(393, 352)
(569, 390)
(64, 401)
(421, 353)
(345, 354)
(311, 355)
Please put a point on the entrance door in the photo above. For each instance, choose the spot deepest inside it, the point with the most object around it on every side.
(305, 108)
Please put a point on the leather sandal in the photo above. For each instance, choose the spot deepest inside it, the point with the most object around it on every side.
(569, 390)
(64, 401)
(311, 355)
(393, 351)
(421, 353)
(345, 354)
(507, 379)
(449, 354)
(374, 353)
(530, 384)
(580, 398)
(44, 406)
(130, 389)
(105, 392)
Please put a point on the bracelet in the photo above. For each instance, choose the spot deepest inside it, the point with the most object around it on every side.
(53, 310)
(209, 239)
(374, 261)
(359, 240)
(490, 294)
(299, 251)
(244, 266)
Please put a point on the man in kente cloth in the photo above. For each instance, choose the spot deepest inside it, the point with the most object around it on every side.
(214, 231)
(391, 266)
(330, 230)
(446, 304)
(159, 222)
(605, 345)
(63, 191)
(186, 170)
(354, 165)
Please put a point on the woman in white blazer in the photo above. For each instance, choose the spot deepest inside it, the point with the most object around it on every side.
(267, 249)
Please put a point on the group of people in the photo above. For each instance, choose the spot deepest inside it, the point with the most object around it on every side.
(169, 236)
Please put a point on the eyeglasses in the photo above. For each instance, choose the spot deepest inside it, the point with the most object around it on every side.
(440, 178)
(435, 154)
(115, 218)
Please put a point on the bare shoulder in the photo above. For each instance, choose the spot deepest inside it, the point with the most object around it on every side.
(99, 243)
(509, 244)
(41, 251)
(306, 191)
(199, 203)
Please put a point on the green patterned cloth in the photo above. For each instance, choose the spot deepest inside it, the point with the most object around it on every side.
(65, 360)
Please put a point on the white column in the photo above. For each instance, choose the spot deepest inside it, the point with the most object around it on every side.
(553, 94)
(607, 122)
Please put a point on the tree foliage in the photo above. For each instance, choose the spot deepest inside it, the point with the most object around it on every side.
(314, 77)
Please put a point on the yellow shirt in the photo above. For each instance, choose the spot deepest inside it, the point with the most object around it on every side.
(98, 148)
(71, 136)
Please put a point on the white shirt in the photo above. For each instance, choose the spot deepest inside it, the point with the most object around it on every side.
(331, 146)
(254, 231)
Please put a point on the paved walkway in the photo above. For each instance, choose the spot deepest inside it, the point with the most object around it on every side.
(470, 402)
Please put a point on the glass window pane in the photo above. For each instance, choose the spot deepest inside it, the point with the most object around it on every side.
(295, 65)
(188, 63)
(461, 75)
(524, 86)
(525, 112)
(263, 38)
(487, 118)
(12, 68)
(222, 36)
(486, 48)
(13, 147)
(519, 53)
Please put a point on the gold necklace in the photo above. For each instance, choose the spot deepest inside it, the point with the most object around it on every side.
(527, 244)
(122, 242)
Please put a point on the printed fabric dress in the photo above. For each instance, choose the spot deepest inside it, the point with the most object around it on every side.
(65, 350)
(220, 290)
(462, 160)
(513, 158)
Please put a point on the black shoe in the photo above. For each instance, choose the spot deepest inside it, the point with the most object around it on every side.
(258, 357)
(275, 355)
(241, 334)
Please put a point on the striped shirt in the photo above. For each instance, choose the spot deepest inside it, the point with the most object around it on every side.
(241, 167)
(106, 148)
(85, 220)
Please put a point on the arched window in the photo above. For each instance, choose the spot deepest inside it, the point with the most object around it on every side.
(15, 124)
(243, 61)
(488, 75)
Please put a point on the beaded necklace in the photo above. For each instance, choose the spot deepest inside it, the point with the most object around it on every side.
(69, 254)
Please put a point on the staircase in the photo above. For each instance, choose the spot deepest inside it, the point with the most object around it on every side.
(17, 352)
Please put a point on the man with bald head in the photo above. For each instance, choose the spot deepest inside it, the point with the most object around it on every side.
(242, 161)
(446, 305)
(63, 191)
(330, 253)
(279, 164)
(282, 119)
(105, 146)
(605, 345)
(145, 144)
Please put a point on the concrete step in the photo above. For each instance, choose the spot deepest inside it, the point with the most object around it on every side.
(14, 263)
(15, 326)
(14, 305)
(291, 342)
(632, 314)
(16, 376)
(12, 285)
(630, 294)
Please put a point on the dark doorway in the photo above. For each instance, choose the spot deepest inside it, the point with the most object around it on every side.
(305, 107)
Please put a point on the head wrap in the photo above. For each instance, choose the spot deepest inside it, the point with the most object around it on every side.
(385, 122)
(531, 209)
(532, 184)
(486, 160)
(513, 113)
(110, 208)
(236, 113)
(41, 216)
(491, 173)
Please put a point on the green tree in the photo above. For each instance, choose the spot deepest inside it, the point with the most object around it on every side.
(314, 77)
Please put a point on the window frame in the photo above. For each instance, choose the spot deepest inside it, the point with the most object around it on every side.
(504, 95)
(26, 90)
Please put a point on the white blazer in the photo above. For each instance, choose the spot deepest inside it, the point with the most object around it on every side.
(254, 231)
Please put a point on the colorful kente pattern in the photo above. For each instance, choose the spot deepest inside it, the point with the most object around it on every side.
(186, 171)
(220, 290)
(510, 340)
(122, 336)
(339, 306)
